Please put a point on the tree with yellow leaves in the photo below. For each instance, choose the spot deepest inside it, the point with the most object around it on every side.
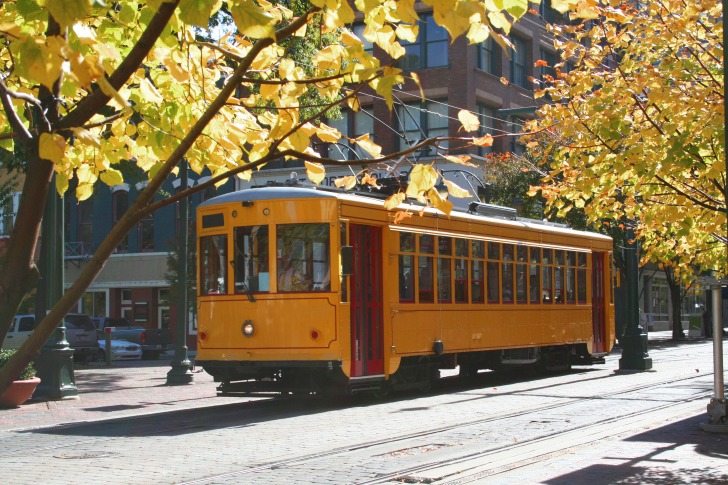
(88, 85)
(636, 130)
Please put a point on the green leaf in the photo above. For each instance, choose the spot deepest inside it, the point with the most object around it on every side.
(253, 21)
(37, 60)
(66, 12)
(198, 12)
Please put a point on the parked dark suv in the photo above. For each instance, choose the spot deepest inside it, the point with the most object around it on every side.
(81, 336)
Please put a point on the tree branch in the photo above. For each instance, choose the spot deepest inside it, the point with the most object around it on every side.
(92, 103)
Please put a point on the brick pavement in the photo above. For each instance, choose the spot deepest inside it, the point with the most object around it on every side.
(677, 452)
(126, 389)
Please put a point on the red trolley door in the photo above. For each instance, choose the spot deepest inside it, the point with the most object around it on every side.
(599, 303)
(366, 301)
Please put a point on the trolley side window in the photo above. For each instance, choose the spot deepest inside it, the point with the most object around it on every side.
(302, 257)
(250, 261)
(213, 265)
(425, 269)
(407, 267)
(461, 270)
(444, 269)
(581, 278)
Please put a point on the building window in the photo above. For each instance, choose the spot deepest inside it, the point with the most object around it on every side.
(548, 13)
(141, 311)
(489, 57)
(119, 206)
(519, 63)
(7, 216)
(146, 233)
(351, 125)
(93, 303)
(418, 121)
(430, 48)
(85, 225)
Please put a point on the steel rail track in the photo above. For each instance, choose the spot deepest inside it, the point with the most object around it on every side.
(402, 474)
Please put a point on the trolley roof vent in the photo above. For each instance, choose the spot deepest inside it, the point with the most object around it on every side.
(544, 223)
(492, 210)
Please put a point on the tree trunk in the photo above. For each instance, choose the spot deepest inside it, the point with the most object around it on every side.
(676, 297)
(18, 272)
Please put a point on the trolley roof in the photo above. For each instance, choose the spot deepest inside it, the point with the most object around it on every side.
(302, 192)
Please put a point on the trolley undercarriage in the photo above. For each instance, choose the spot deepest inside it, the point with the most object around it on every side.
(414, 373)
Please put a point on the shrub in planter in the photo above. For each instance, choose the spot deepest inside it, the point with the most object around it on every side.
(28, 372)
(24, 385)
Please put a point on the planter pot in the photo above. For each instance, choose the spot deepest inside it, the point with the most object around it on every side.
(18, 392)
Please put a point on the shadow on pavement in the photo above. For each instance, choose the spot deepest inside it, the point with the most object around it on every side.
(658, 465)
(183, 422)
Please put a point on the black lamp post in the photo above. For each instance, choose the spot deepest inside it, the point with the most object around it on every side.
(181, 372)
(634, 340)
(54, 365)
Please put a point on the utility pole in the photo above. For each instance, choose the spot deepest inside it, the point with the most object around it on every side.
(634, 340)
(54, 365)
(717, 410)
(181, 372)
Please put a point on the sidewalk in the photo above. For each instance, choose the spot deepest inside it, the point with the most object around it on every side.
(671, 449)
(131, 388)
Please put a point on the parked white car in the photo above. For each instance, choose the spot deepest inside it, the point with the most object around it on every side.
(121, 350)
(20, 330)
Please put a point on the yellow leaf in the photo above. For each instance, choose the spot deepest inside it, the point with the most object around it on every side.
(87, 137)
(369, 180)
(315, 172)
(348, 182)
(395, 200)
(149, 92)
(86, 69)
(84, 191)
(407, 32)
(85, 175)
(252, 20)
(400, 216)
(111, 177)
(456, 191)
(422, 178)
(460, 160)
(286, 68)
(51, 147)
(586, 12)
(469, 120)
(416, 79)
(438, 202)
(369, 146)
(179, 74)
(391, 77)
(484, 141)
(61, 183)
(328, 134)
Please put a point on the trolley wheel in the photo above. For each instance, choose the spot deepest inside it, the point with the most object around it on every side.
(382, 392)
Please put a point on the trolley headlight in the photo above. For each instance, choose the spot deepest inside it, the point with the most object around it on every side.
(248, 328)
